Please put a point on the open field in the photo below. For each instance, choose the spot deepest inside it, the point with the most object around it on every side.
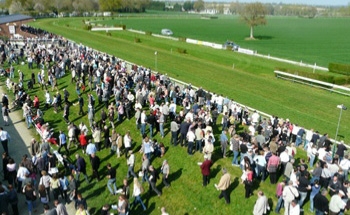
(251, 82)
(318, 40)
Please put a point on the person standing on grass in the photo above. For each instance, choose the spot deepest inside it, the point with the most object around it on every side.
(131, 162)
(66, 113)
(137, 191)
(223, 141)
(205, 168)
(111, 175)
(83, 141)
(261, 205)
(81, 104)
(165, 171)
(80, 168)
(272, 168)
(223, 185)
(153, 180)
(95, 164)
(63, 142)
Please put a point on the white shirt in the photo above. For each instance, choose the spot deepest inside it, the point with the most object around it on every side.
(294, 210)
(191, 136)
(127, 141)
(255, 117)
(143, 118)
(22, 171)
(4, 135)
(284, 157)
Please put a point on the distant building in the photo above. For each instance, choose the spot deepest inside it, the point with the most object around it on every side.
(10, 25)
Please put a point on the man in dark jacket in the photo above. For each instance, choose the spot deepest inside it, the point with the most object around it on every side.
(153, 176)
(95, 163)
(183, 130)
(321, 202)
(81, 168)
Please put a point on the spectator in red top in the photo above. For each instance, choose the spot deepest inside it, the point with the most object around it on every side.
(248, 182)
(205, 167)
(83, 141)
(36, 102)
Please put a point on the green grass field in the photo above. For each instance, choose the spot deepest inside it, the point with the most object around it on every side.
(251, 82)
(294, 38)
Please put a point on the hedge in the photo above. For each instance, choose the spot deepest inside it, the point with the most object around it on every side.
(343, 69)
(329, 78)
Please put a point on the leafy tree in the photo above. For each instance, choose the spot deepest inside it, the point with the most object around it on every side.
(177, 7)
(188, 5)
(254, 14)
(198, 5)
(110, 5)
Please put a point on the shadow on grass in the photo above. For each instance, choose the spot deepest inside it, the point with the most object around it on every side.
(234, 184)
(175, 175)
(263, 37)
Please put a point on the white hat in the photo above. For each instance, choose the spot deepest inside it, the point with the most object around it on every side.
(341, 192)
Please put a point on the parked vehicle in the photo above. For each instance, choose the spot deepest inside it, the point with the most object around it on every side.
(234, 46)
(166, 32)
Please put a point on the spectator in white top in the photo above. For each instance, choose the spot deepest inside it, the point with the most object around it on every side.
(294, 208)
(191, 137)
(127, 143)
(255, 117)
(336, 203)
(308, 137)
(295, 132)
(143, 122)
(21, 175)
(345, 165)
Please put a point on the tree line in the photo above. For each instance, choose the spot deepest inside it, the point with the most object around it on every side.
(33, 7)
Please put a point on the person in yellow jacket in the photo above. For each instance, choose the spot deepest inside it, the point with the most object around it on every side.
(223, 185)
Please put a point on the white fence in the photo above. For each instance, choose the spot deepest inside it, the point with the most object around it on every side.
(312, 82)
(241, 50)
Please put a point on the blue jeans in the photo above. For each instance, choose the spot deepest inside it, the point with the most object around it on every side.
(302, 198)
(306, 142)
(110, 183)
(312, 203)
(312, 159)
(298, 140)
(131, 172)
(139, 200)
(30, 205)
(161, 129)
(199, 145)
(235, 157)
(143, 128)
(29, 121)
(279, 204)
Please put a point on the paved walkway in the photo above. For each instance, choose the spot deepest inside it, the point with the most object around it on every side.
(18, 146)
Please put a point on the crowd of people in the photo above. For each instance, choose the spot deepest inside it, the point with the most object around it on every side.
(267, 147)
